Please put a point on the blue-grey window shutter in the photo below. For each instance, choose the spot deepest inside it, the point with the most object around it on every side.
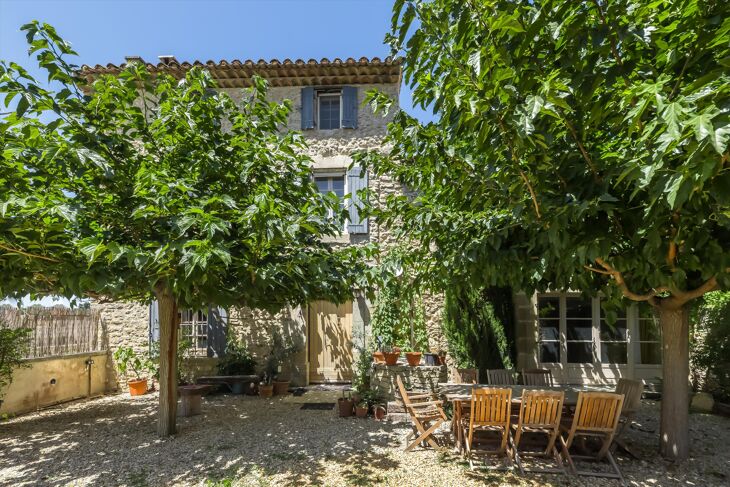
(154, 323)
(357, 179)
(217, 331)
(349, 107)
(307, 108)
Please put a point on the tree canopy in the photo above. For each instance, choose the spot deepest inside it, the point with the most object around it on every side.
(579, 145)
(140, 185)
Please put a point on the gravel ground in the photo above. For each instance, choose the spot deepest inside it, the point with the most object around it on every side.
(241, 440)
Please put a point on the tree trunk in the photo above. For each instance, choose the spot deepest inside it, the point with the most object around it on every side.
(674, 431)
(168, 362)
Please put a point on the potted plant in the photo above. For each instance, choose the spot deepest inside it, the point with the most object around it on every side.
(345, 405)
(380, 411)
(130, 363)
(413, 358)
(361, 409)
(237, 361)
(281, 349)
(13, 350)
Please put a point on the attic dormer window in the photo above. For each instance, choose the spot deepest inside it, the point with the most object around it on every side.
(329, 109)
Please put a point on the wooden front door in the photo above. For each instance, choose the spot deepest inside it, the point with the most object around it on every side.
(330, 342)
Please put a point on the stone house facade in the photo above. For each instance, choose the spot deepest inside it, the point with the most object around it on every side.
(327, 99)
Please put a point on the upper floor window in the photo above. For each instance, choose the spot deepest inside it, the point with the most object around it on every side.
(328, 109)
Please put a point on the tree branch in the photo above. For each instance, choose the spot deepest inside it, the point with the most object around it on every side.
(619, 278)
(27, 254)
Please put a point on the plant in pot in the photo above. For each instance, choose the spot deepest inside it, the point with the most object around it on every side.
(345, 405)
(13, 350)
(281, 349)
(367, 399)
(130, 364)
(413, 358)
(238, 360)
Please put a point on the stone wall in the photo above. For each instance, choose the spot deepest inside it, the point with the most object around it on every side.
(421, 378)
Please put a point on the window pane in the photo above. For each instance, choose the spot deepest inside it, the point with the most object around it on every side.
(549, 330)
(580, 353)
(579, 329)
(322, 184)
(329, 112)
(613, 353)
(550, 352)
(649, 353)
(648, 331)
(548, 307)
(338, 186)
(615, 332)
(578, 308)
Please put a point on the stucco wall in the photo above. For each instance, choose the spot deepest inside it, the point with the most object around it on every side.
(54, 380)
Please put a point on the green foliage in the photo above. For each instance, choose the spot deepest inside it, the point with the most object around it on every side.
(237, 359)
(567, 132)
(129, 363)
(474, 330)
(138, 183)
(13, 349)
(184, 371)
(361, 372)
(282, 347)
(711, 352)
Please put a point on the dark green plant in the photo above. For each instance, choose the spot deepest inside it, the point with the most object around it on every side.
(14, 345)
(282, 347)
(141, 185)
(361, 370)
(476, 334)
(131, 364)
(237, 359)
(711, 350)
(577, 145)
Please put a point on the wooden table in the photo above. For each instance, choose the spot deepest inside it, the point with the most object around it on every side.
(458, 393)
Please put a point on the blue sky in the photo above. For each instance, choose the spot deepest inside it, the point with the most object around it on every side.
(105, 31)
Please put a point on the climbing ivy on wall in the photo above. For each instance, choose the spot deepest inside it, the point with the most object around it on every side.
(478, 326)
(399, 317)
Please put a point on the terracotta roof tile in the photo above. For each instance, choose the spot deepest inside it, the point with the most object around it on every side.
(237, 73)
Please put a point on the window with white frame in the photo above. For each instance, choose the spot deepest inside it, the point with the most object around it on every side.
(647, 346)
(194, 328)
(332, 183)
(329, 109)
(575, 330)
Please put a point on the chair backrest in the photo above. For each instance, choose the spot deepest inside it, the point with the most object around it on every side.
(467, 376)
(631, 389)
(597, 412)
(501, 377)
(402, 391)
(490, 407)
(541, 409)
(537, 377)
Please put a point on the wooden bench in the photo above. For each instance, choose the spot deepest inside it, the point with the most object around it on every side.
(190, 397)
(237, 384)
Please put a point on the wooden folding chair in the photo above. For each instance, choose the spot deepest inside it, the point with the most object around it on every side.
(426, 415)
(537, 377)
(632, 390)
(490, 413)
(540, 413)
(596, 416)
(501, 377)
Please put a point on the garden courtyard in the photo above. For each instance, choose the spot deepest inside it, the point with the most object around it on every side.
(245, 440)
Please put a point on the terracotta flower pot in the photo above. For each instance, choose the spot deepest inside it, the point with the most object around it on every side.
(266, 390)
(361, 411)
(281, 387)
(378, 357)
(391, 358)
(380, 412)
(137, 387)
(345, 407)
(414, 358)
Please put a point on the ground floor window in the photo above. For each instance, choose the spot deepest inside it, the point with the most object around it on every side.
(576, 330)
(194, 329)
(205, 329)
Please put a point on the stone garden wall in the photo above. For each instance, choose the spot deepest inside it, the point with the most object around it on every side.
(421, 378)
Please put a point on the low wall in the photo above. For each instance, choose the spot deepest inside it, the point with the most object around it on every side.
(53, 380)
(382, 378)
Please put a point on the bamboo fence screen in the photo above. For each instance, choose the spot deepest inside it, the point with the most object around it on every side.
(56, 331)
